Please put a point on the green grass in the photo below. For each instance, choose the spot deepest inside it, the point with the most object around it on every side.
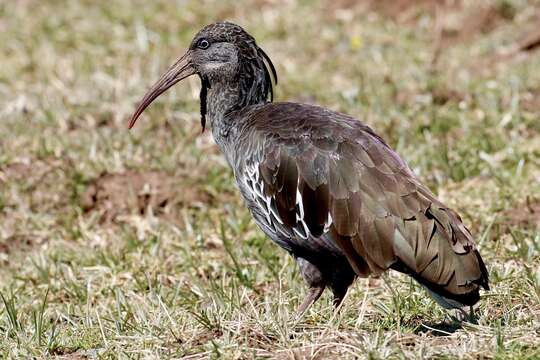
(177, 268)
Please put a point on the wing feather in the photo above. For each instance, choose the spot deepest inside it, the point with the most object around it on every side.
(381, 215)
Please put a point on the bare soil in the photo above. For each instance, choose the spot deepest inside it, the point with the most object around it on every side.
(531, 101)
(455, 21)
(526, 215)
(113, 195)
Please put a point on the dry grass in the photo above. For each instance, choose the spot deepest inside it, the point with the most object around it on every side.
(120, 244)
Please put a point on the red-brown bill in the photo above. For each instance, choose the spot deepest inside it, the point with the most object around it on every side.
(177, 72)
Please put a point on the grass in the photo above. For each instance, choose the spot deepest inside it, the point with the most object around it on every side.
(94, 263)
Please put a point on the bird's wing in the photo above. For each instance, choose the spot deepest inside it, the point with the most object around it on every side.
(333, 175)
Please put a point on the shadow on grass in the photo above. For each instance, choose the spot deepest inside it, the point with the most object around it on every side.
(447, 327)
(444, 328)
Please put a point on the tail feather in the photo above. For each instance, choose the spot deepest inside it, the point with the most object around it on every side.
(439, 252)
(440, 293)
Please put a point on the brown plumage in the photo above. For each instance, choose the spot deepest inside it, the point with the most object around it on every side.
(321, 184)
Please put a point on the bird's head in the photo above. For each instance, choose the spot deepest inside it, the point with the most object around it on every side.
(219, 54)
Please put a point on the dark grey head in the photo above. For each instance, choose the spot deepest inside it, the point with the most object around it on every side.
(220, 53)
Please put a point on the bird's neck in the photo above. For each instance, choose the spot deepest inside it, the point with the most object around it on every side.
(224, 105)
(226, 98)
(222, 99)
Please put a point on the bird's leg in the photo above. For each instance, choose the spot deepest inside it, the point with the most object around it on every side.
(339, 292)
(340, 285)
(472, 316)
(338, 299)
(316, 282)
(313, 295)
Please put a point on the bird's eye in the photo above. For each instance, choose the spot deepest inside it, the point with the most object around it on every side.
(203, 44)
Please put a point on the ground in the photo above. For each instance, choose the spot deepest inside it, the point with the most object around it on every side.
(117, 243)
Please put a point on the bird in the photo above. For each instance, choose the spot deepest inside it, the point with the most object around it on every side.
(321, 184)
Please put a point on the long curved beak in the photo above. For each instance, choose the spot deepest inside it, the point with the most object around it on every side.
(177, 72)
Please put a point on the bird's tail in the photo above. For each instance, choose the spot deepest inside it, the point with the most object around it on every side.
(446, 263)
(443, 296)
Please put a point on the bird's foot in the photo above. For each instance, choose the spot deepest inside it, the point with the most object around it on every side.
(461, 315)
(338, 300)
(313, 295)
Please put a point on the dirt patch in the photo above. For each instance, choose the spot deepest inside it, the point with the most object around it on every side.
(405, 11)
(18, 243)
(28, 187)
(443, 95)
(531, 101)
(25, 169)
(132, 192)
(17, 240)
(525, 216)
(531, 40)
(440, 96)
(453, 20)
(401, 11)
(470, 22)
(206, 336)
(313, 352)
(62, 353)
(40, 184)
(524, 45)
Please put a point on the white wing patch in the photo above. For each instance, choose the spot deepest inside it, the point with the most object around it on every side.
(254, 183)
(304, 234)
(328, 223)
(300, 213)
